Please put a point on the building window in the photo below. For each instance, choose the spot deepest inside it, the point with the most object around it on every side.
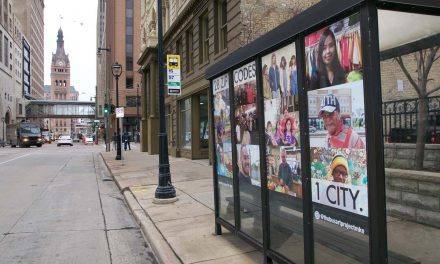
(189, 50)
(129, 83)
(220, 24)
(6, 45)
(179, 47)
(131, 101)
(185, 123)
(203, 37)
(129, 35)
(20, 109)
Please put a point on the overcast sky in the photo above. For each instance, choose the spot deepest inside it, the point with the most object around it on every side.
(78, 20)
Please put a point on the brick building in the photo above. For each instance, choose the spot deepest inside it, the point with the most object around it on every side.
(118, 40)
(202, 33)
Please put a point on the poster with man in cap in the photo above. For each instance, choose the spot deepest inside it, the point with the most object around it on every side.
(339, 135)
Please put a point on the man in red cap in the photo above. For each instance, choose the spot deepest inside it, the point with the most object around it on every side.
(338, 134)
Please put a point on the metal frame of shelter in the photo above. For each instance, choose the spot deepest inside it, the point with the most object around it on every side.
(60, 109)
(294, 31)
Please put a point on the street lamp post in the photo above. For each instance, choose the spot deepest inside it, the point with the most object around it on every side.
(165, 190)
(116, 71)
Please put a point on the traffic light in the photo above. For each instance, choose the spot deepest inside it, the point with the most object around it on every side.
(105, 109)
(112, 109)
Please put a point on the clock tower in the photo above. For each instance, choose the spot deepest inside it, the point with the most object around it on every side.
(60, 89)
(60, 72)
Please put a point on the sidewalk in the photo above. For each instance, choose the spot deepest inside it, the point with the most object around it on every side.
(181, 232)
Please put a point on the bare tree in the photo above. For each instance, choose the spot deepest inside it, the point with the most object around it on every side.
(255, 16)
(424, 60)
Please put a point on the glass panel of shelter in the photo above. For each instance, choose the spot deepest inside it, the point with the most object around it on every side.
(337, 146)
(283, 152)
(247, 146)
(223, 147)
(413, 225)
(338, 165)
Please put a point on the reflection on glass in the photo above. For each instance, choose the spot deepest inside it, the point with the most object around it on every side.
(410, 73)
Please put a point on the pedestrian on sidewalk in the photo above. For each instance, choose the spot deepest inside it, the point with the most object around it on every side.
(114, 139)
(126, 140)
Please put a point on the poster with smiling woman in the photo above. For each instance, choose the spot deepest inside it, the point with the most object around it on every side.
(336, 124)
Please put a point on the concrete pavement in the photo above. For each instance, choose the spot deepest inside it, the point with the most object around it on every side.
(181, 232)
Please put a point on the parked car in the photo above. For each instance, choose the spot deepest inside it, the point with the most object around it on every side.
(88, 139)
(64, 140)
(312, 129)
(75, 138)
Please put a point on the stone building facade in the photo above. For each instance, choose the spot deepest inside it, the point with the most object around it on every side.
(31, 15)
(202, 33)
(12, 101)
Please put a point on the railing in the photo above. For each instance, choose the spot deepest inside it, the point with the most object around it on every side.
(400, 121)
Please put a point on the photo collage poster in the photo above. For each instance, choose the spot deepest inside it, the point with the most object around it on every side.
(336, 110)
(246, 124)
(222, 125)
(281, 117)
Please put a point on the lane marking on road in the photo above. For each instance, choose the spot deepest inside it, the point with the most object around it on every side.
(15, 158)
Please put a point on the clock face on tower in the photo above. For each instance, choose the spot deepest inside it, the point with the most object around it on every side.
(60, 63)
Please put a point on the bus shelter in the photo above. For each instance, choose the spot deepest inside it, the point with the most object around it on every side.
(298, 151)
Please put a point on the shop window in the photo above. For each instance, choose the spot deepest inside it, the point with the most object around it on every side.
(410, 77)
(185, 124)
(204, 126)
(203, 37)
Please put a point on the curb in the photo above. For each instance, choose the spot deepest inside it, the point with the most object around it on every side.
(151, 234)
(159, 245)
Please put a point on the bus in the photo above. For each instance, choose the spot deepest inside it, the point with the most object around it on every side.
(24, 134)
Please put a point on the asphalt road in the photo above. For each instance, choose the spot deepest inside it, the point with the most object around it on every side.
(59, 205)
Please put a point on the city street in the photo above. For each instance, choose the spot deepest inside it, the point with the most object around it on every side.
(59, 205)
